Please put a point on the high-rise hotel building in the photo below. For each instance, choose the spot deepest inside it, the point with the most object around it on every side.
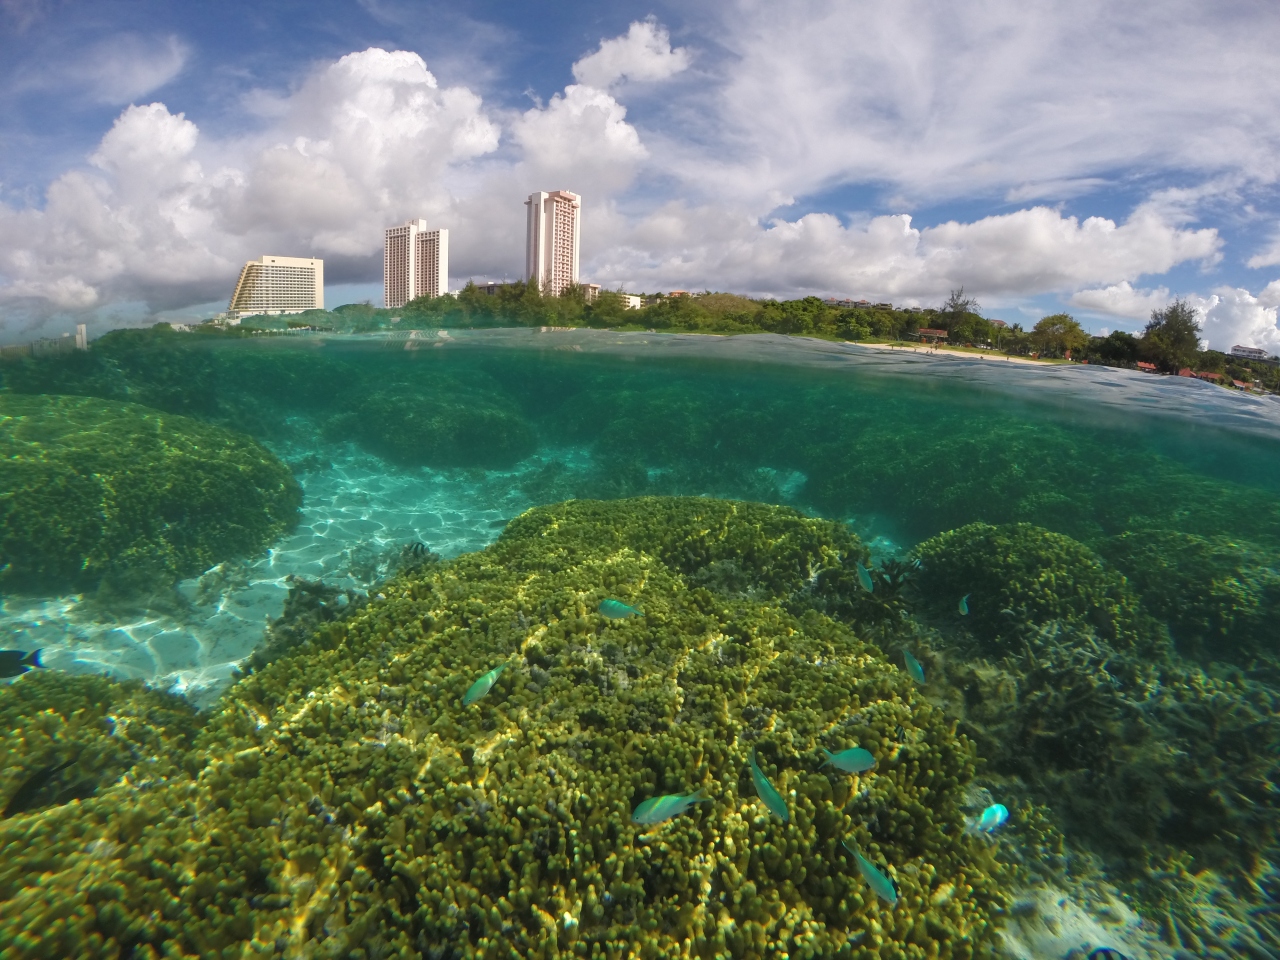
(415, 263)
(551, 240)
(275, 285)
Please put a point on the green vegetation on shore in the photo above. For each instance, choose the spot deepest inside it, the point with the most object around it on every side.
(1170, 340)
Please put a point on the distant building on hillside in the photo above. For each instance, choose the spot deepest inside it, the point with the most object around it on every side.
(631, 301)
(277, 285)
(551, 240)
(415, 263)
(1249, 353)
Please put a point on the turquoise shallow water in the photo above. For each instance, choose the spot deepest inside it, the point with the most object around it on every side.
(1117, 536)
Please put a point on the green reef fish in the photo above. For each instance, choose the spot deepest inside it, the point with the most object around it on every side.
(657, 809)
(963, 605)
(875, 877)
(14, 663)
(768, 792)
(992, 818)
(853, 760)
(617, 610)
(864, 578)
(914, 670)
(482, 686)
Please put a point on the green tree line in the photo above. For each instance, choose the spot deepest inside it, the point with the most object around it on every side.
(1170, 340)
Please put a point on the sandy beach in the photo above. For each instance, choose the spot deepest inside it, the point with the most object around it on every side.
(997, 358)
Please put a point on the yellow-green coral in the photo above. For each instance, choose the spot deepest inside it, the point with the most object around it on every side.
(95, 488)
(344, 803)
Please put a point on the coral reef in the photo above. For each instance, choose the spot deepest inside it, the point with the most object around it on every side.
(1019, 574)
(1219, 597)
(1144, 758)
(97, 490)
(342, 802)
(441, 422)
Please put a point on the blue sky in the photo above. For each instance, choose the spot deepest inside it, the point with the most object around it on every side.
(1081, 156)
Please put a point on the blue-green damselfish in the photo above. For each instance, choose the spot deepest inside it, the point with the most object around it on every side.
(963, 605)
(876, 878)
(617, 610)
(768, 792)
(482, 686)
(853, 760)
(864, 578)
(658, 809)
(914, 670)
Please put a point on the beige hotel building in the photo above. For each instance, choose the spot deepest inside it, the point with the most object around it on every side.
(276, 285)
(415, 263)
(551, 240)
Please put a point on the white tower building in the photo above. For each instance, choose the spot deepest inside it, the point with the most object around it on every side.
(274, 285)
(551, 240)
(415, 263)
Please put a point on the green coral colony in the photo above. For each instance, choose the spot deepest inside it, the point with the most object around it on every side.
(339, 798)
(495, 756)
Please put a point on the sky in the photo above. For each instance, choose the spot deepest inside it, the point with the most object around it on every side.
(1082, 156)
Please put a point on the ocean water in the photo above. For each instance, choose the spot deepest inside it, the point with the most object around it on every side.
(1086, 561)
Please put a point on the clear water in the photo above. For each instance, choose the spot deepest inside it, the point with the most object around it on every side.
(1139, 761)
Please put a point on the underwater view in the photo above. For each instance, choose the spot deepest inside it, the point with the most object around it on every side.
(571, 643)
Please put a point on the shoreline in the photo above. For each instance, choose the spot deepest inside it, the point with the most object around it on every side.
(934, 351)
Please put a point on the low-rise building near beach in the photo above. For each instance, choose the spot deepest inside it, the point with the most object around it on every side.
(1250, 353)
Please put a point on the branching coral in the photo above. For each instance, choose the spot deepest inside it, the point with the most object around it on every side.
(1138, 752)
(93, 489)
(1220, 597)
(346, 804)
(1019, 574)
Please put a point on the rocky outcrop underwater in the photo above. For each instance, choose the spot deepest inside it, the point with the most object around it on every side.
(342, 801)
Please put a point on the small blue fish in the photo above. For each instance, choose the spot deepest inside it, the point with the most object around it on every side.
(875, 877)
(658, 809)
(864, 578)
(482, 686)
(992, 818)
(768, 792)
(617, 610)
(853, 760)
(963, 605)
(914, 670)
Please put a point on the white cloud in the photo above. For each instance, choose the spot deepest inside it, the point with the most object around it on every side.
(163, 216)
(1232, 315)
(115, 71)
(915, 96)
(643, 53)
(1268, 256)
(581, 136)
(943, 100)
(1122, 300)
(1031, 250)
(124, 68)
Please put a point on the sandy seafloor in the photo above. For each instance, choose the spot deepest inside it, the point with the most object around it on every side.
(358, 515)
